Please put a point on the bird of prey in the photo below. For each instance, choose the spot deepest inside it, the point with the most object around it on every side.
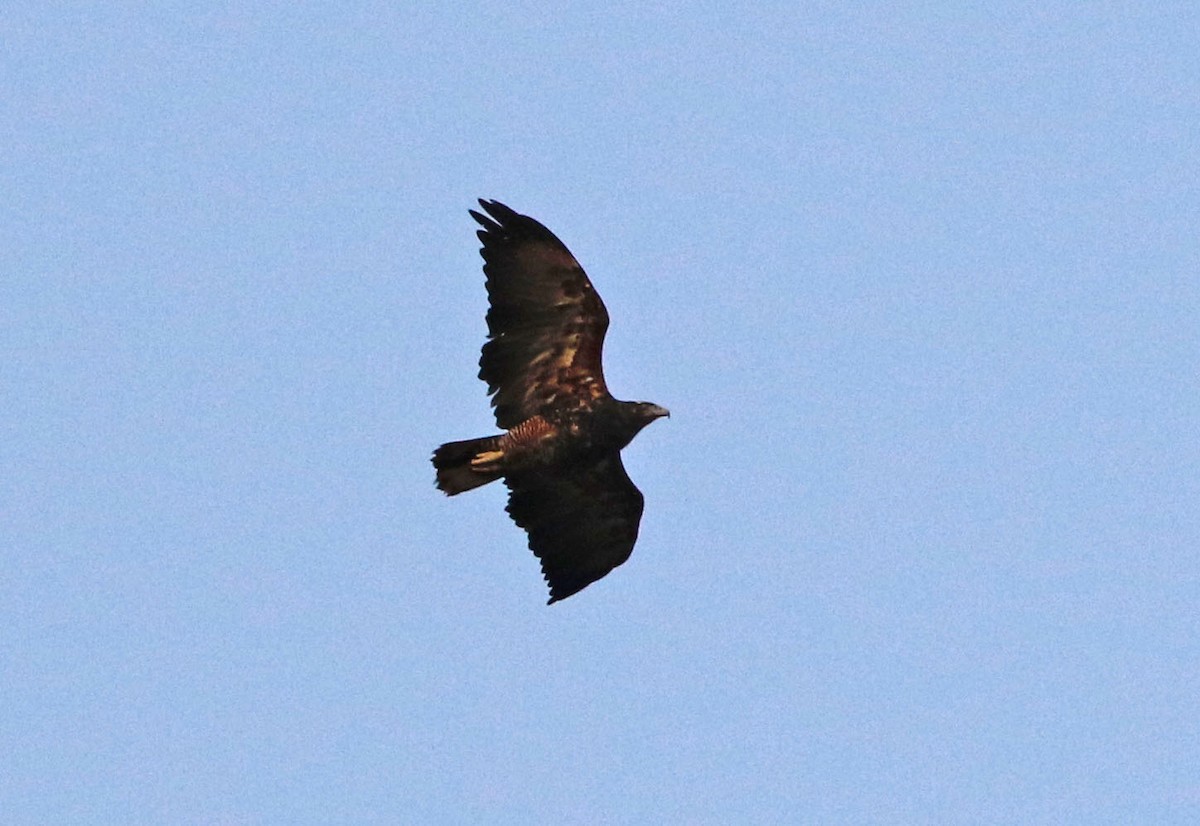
(560, 454)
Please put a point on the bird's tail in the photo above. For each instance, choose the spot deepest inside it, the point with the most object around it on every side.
(463, 465)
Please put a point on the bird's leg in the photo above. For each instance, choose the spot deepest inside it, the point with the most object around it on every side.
(519, 447)
(487, 460)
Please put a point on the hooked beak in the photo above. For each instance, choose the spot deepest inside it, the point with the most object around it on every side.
(660, 412)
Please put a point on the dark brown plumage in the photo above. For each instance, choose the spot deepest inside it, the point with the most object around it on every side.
(560, 454)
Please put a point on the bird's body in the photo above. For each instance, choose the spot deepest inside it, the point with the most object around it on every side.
(560, 452)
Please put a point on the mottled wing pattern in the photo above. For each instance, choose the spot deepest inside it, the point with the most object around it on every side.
(582, 520)
(546, 323)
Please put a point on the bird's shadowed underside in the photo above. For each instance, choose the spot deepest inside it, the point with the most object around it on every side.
(560, 452)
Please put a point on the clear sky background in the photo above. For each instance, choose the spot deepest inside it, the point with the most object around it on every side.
(920, 284)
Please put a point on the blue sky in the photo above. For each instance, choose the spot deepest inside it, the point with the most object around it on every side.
(918, 282)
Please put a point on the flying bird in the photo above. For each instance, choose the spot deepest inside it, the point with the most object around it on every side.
(560, 453)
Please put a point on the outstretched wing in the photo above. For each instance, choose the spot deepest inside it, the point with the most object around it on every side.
(582, 520)
(546, 323)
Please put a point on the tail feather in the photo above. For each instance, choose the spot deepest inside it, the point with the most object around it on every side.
(453, 464)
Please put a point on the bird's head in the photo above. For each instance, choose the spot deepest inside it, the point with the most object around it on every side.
(648, 412)
(633, 416)
(653, 411)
